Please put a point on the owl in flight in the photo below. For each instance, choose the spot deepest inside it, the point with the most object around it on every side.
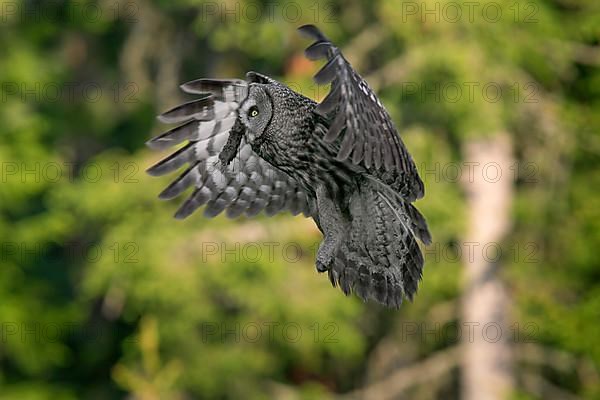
(256, 145)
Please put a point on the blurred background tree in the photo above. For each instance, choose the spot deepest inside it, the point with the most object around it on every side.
(104, 295)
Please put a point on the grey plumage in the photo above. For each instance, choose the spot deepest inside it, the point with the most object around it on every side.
(255, 145)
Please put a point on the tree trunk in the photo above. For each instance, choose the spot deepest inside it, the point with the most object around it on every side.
(486, 368)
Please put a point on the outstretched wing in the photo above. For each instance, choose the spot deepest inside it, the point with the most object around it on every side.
(365, 130)
(248, 184)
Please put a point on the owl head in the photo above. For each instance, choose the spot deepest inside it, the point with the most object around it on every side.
(256, 111)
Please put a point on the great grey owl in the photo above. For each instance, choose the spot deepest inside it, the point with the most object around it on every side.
(255, 145)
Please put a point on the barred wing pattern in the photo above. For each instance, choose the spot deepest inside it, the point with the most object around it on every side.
(248, 184)
(367, 134)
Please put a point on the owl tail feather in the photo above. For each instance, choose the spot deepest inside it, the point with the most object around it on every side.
(380, 259)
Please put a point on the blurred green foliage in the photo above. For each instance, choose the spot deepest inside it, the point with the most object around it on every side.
(102, 293)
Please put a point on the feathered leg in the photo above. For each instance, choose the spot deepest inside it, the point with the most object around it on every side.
(334, 227)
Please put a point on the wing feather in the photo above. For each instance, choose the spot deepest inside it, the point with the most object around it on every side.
(247, 184)
(359, 120)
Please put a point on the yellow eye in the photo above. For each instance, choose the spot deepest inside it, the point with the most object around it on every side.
(253, 112)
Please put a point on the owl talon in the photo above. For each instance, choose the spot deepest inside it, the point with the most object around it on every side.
(321, 267)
